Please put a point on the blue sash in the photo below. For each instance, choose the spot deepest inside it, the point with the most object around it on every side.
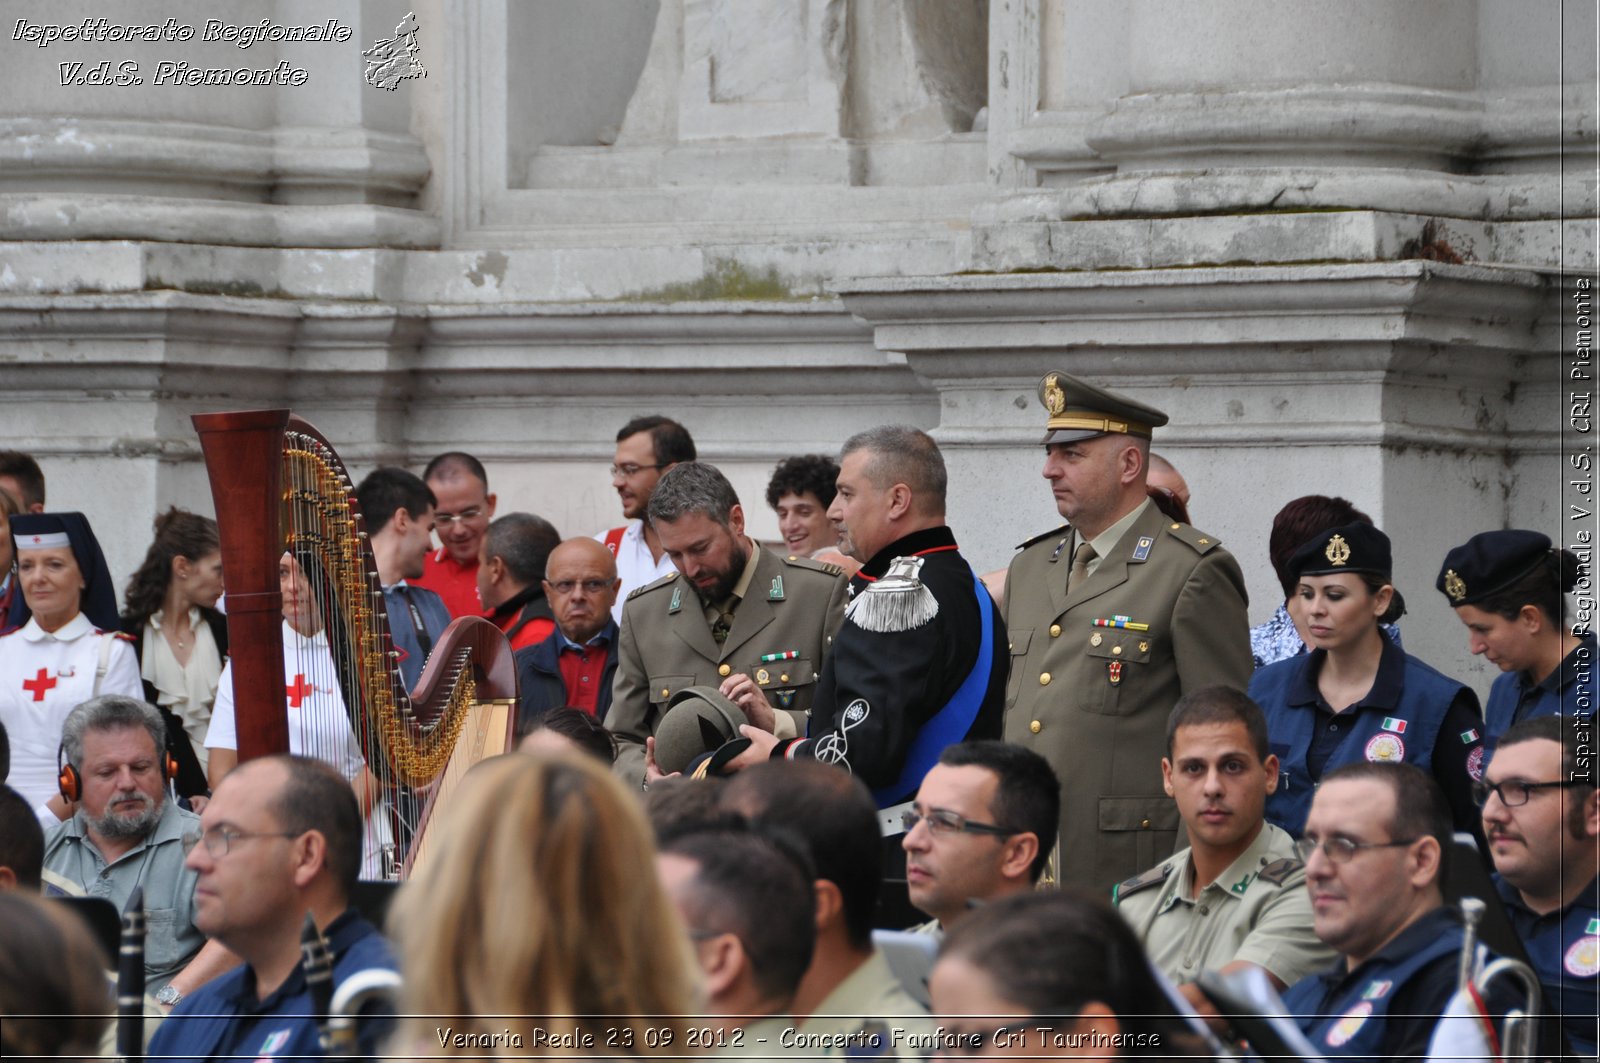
(950, 724)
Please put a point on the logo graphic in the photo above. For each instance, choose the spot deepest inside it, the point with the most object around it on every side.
(1390, 723)
(1338, 551)
(1583, 958)
(1376, 989)
(392, 61)
(1347, 1025)
(1386, 749)
(1475, 764)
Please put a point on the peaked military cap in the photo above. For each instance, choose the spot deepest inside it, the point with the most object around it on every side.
(1353, 547)
(1489, 562)
(1078, 410)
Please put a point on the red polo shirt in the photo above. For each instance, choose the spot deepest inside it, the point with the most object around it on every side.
(452, 581)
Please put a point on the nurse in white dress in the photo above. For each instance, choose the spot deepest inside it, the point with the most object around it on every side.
(318, 723)
(65, 652)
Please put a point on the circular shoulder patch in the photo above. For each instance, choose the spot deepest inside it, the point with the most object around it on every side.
(1350, 1022)
(1475, 764)
(1583, 958)
(1386, 749)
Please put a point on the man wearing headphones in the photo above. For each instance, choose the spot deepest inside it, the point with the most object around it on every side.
(126, 832)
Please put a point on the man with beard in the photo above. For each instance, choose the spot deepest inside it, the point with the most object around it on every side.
(732, 616)
(126, 833)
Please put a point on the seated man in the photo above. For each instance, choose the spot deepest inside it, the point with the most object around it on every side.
(281, 837)
(849, 989)
(748, 906)
(1236, 896)
(577, 663)
(1374, 848)
(511, 565)
(979, 828)
(126, 832)
(1541, 816)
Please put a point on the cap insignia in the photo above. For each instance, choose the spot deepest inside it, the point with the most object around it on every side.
(1055, 400)
(1338, 551)
(1454, 585)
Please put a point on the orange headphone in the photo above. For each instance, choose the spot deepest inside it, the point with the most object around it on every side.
(70, 782)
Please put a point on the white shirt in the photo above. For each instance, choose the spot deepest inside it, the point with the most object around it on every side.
(635, 566)
(318, 726)
(44, 676)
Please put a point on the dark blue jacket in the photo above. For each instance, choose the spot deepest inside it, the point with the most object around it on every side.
(1412, 714)
(1388, 1006)
(1564, 949)
(539, 683)
(223, 1019)
(403, 628)
(1571, 687)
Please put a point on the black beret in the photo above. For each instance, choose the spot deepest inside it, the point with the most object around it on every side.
(1490, 561)
(1356, 547)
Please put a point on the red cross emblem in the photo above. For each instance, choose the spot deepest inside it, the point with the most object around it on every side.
(298, 691)
(39, 684)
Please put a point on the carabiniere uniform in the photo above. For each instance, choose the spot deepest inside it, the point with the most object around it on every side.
(1096, 667)
(781, 631)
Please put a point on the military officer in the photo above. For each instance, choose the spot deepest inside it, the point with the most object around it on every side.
(733, 616)
(1111, 619)
(1236, 896)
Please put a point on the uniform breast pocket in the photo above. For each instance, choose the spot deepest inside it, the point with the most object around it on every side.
(662, 687)
(168, 940)
(1117, 660)
(1020, 641)
(787, 684)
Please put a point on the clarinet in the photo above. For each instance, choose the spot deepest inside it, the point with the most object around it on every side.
(130, 980)
(317, 962)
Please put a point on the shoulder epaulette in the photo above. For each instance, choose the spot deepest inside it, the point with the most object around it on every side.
(123, 635)
(1201, 541)
(1279, 871)
(652, 585)
(1128, 887)
(1042, 536)
(796, 561)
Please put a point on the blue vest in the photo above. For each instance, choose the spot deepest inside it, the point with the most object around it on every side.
(1405, 731)
(1344, 1015)
(1572, 689)
(1564, 950)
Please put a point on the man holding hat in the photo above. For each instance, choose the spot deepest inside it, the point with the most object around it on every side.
(733, 616)
(1112, 618)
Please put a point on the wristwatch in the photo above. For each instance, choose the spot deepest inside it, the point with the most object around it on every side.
(169, 995)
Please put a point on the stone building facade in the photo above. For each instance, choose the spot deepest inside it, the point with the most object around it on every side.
(1345, 243)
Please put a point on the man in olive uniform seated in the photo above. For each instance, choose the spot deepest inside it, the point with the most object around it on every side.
(1236, 897)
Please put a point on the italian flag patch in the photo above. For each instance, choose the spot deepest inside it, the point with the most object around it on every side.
(1468, 737)
(1594, 927)
(1392, 724)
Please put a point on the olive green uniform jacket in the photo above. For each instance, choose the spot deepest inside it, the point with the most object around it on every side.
(1094, 701)
(793, 605)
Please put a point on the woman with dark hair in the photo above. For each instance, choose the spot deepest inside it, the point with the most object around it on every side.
(65, 650)
(1357, 696)
(1053, 974)
(178, 636)
(1509, 587)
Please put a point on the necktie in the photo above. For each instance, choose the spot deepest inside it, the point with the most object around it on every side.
(721, 625)
(1080, 564)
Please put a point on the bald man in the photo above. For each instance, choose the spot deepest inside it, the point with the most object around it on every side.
(576, 664)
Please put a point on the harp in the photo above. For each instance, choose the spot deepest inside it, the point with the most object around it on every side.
(279, 488)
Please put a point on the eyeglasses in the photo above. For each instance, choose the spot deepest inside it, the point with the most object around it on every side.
(218, 840)
(444, 520)
(942, 821)
(630, 470)
(1340, 850)
(567, 586)
(1513, 793)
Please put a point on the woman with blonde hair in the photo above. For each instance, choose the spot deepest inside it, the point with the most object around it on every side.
(539, 913)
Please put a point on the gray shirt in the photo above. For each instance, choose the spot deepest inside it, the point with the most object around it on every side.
(156, 863)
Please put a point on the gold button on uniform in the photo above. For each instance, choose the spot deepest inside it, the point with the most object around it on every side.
(724, 670)
(1036, 727)
(1044, 679)
(1144, 824)
(1116, 651)
(783, 679)
(663, 691)
(1055, 630)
